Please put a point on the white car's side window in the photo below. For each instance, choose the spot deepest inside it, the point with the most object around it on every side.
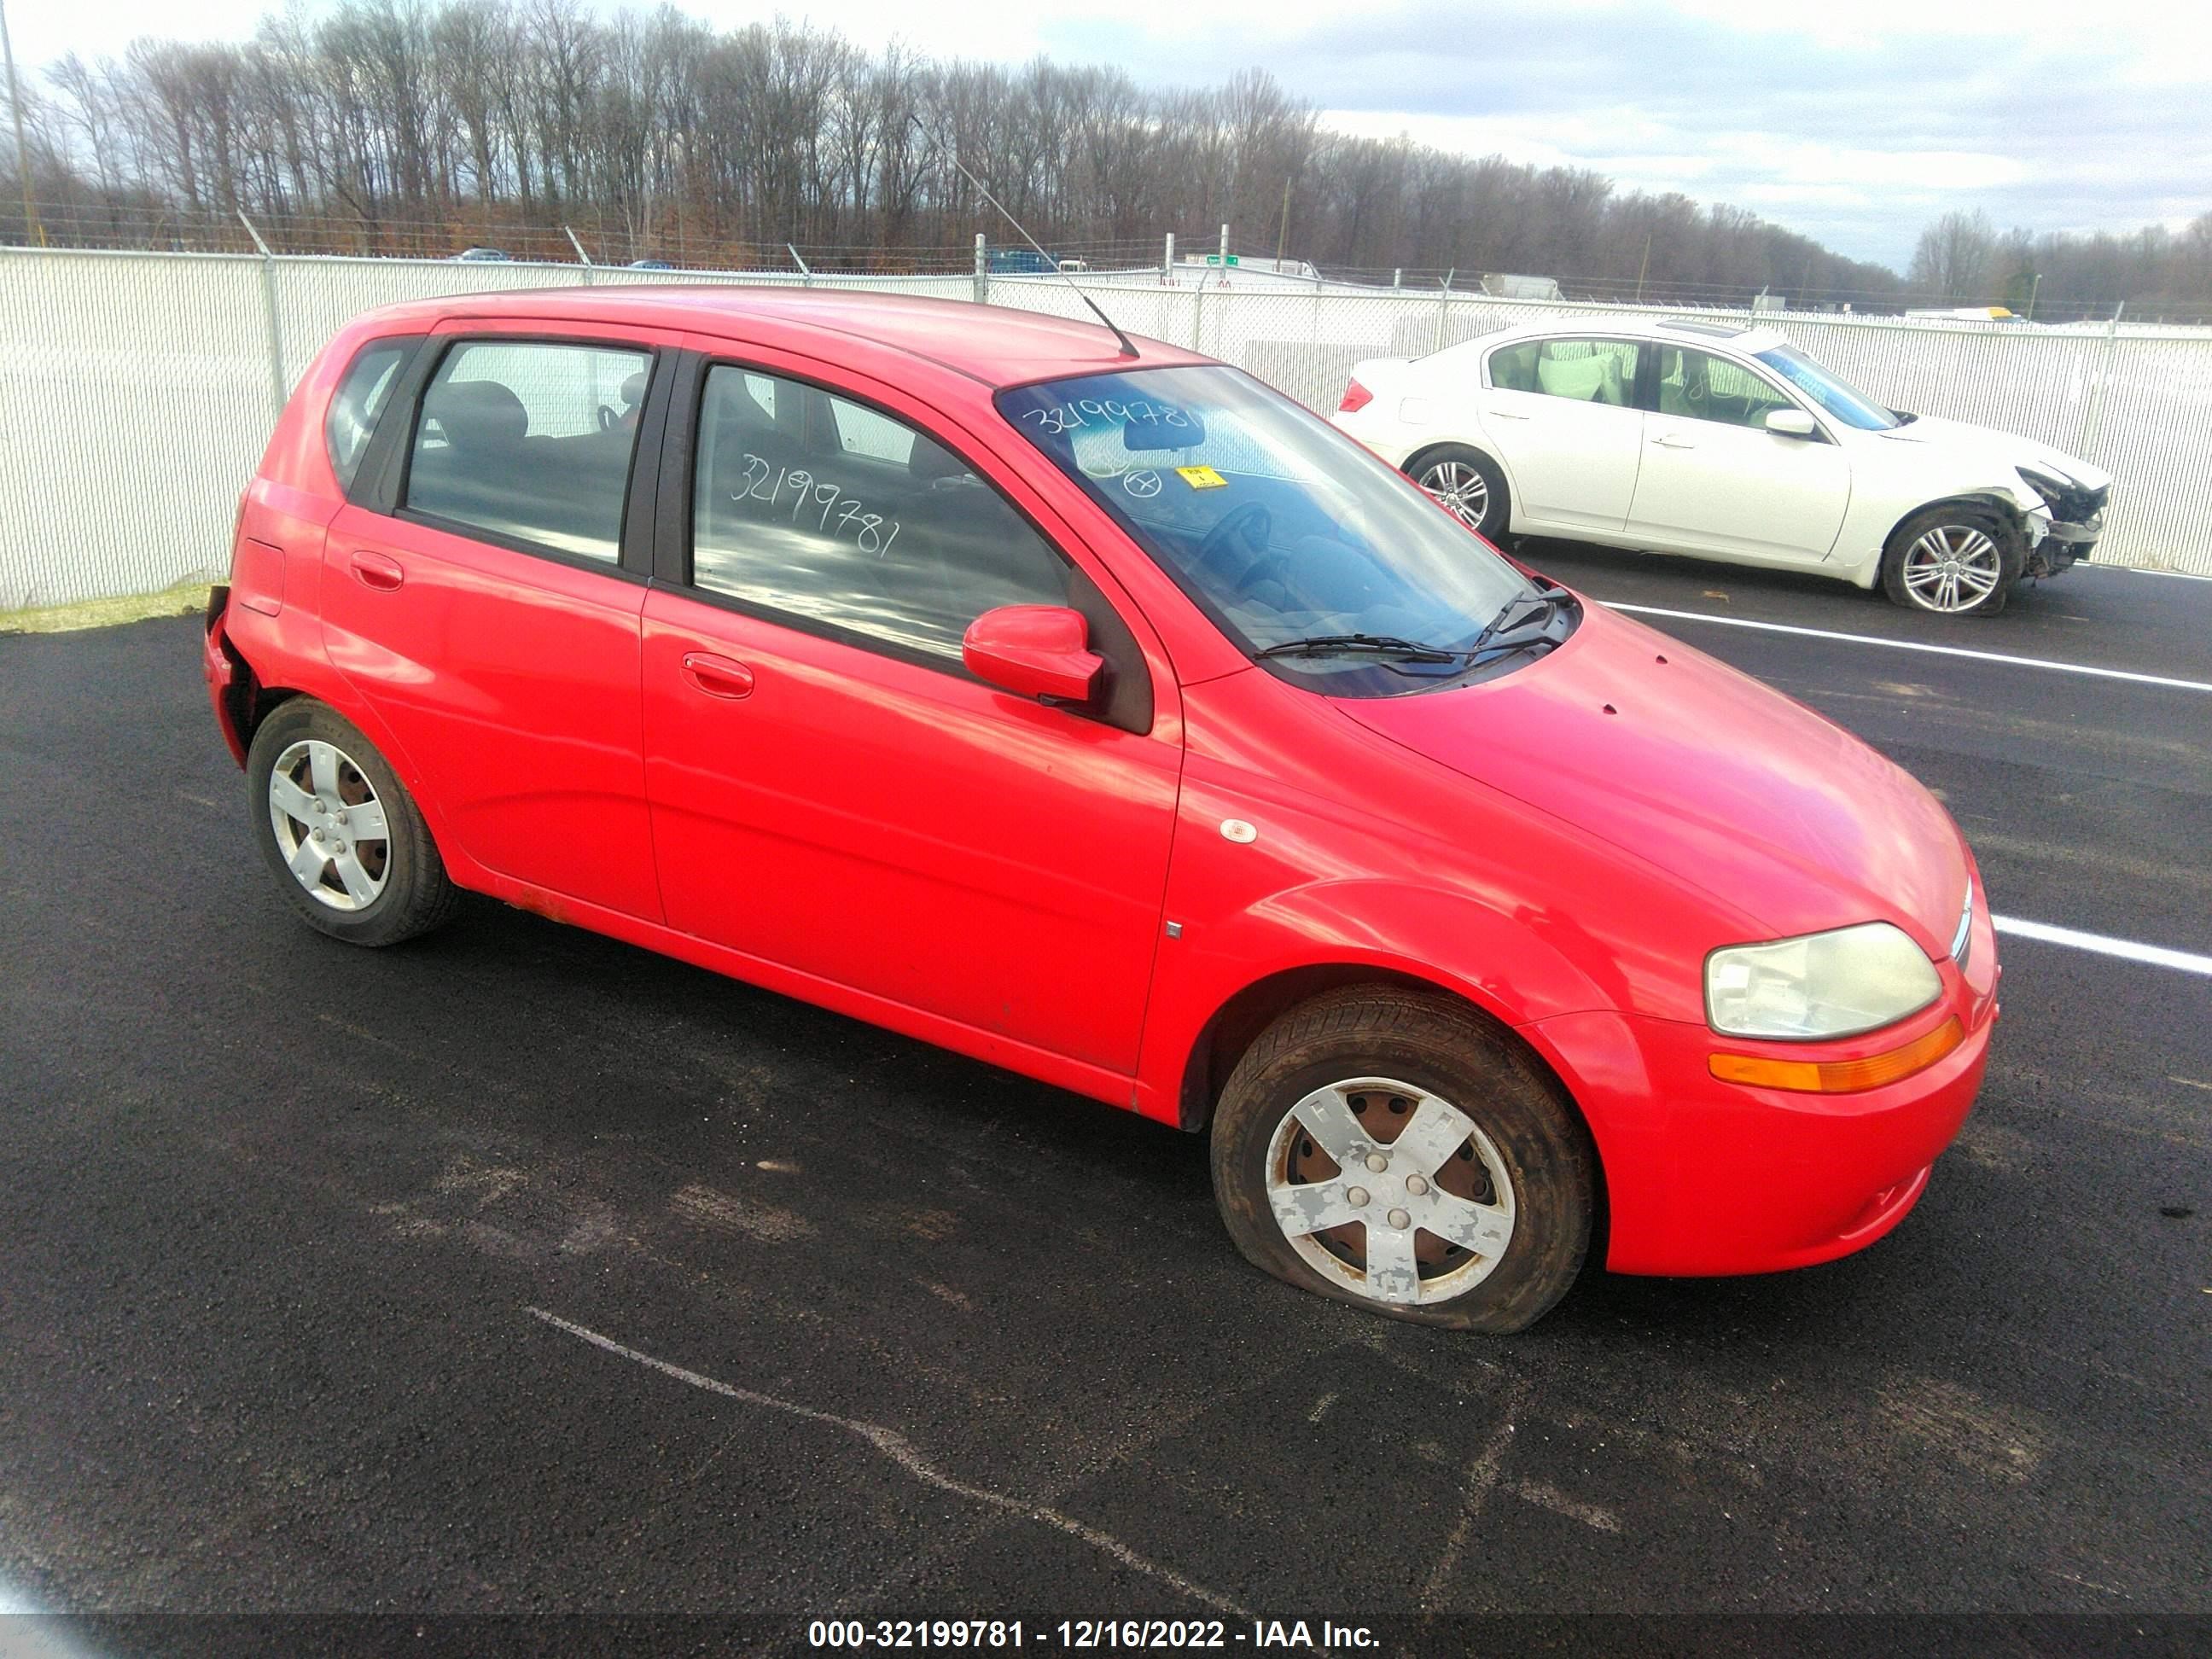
(1583, 371)
(1699, 386)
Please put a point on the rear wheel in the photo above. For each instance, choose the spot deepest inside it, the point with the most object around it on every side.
(1955, 561)
(1467, 483)
(1391, 1149)
(342, 836)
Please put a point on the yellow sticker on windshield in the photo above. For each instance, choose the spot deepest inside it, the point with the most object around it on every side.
(1201, 477)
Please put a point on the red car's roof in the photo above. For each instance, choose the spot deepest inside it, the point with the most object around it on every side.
(991, 343)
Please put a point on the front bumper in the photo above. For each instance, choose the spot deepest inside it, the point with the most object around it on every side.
(1706, 1177)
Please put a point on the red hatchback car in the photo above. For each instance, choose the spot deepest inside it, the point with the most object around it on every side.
(1114, 719)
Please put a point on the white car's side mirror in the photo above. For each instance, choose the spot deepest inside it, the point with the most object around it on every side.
(1790, 423)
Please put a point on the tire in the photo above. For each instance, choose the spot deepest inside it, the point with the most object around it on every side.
(314, 784)
(1468, 484)
(1940, 559)
(1300, 1131)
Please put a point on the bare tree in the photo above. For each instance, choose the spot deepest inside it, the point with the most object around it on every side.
(1956, 256)
(417, 126)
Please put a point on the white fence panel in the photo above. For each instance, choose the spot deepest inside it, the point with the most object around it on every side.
(135, 402)
(136, 390)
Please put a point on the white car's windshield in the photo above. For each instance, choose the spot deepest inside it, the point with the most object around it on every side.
(1278, 526)
(1846, 403)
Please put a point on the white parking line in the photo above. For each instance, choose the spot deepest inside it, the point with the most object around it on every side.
(1915, 645)
(2157, 955)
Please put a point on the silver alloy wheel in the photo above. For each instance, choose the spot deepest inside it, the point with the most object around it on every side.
(1951, 566)
(330, 825)
(1459, 489)
(1389, 1191)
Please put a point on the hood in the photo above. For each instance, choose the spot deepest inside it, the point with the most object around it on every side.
(2003, 448)
(1772, 809)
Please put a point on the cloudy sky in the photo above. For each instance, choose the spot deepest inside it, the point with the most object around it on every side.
(1854, 123)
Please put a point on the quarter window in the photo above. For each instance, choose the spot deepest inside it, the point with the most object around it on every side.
(812, 505)
(1699, 386)
(360, 398)
(530, 442)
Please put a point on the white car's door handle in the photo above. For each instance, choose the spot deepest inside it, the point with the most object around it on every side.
(1507, 414)
(1673, 440)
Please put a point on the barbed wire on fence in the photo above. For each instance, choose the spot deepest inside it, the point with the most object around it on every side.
(609, 239)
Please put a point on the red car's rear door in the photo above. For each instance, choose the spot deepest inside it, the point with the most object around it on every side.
(831, 791)
(491, 618)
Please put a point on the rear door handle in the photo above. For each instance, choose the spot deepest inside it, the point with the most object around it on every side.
(718, 676)
(377, 571)
(1507, 414)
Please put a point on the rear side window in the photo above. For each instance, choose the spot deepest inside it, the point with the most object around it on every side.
(530, 442)
(360, 398)
(1587, 370)
(827, 511)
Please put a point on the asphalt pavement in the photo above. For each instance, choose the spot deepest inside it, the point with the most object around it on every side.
(517, 1270)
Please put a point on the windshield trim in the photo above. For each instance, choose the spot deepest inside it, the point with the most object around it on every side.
(1350, 451)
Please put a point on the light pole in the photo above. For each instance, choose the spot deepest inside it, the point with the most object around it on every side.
(22, 151)
(2035, 282)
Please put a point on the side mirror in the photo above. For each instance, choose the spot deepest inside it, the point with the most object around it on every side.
(1790, 423)
(1034, 650)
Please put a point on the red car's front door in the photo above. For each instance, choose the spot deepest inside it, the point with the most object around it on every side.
(491, 624)
(832, 792)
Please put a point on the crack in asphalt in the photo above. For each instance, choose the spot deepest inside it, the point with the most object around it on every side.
(902, 1451)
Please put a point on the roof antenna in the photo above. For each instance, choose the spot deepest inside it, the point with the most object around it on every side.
(1128, 348)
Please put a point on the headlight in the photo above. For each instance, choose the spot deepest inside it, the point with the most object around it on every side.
(1825, 985)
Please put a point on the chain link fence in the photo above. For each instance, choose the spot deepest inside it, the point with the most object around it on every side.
(137, 390)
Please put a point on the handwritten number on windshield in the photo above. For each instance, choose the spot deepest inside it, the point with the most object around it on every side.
(1104, 411)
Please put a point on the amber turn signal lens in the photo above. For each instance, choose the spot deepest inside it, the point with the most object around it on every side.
(1840, 1077)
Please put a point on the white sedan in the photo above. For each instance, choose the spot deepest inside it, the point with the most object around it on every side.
(1723, 443)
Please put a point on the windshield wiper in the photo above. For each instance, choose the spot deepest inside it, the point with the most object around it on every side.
(1380, 644)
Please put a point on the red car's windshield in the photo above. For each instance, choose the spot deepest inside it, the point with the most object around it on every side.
(1280, 527)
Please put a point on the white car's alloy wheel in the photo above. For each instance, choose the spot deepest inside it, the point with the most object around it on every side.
(1951, 567)
(330, 826)
(1389, 1191)
(1459, 489)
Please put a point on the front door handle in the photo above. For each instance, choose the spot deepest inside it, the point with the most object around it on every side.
(1674, 441)
(718, 676)
(376, 570)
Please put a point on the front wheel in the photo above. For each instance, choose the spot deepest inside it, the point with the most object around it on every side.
(1955, 561)
(1391, 1149)
(1467, 483)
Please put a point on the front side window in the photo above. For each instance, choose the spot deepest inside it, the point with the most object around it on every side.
(1699, 386)
(358, 401)
(824, 509)
(530, 442)
(1285, 531)
(1846, 403)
